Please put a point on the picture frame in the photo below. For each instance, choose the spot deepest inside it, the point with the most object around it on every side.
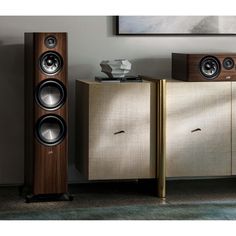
(176, 25)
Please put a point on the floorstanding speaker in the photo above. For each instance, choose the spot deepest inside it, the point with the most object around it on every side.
(46, 134)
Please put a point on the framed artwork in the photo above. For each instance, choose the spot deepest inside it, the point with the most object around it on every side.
(176, 25)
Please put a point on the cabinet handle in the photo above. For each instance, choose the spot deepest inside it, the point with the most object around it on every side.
(119, 132)
(195, 130)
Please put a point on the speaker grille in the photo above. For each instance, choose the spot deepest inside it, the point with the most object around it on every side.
(50, 130)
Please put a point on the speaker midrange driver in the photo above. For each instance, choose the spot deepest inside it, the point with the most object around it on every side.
(210, 67)
(51, 62)
(50, 94)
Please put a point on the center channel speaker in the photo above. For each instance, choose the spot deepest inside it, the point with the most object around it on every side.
(46, 145)
(204, 67)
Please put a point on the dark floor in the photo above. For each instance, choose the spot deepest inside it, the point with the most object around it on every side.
(99, 196)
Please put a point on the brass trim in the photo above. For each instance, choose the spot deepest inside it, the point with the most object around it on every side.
(161, 134)
(161, 137)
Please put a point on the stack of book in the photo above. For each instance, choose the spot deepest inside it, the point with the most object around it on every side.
(123, 79)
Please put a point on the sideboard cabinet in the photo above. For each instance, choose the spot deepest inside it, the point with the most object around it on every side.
(157, 128)
(116, 129)
(196, 129)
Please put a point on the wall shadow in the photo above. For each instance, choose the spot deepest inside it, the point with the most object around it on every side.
(152, 67)
(111, 26)
(12, 113)
(75, 72)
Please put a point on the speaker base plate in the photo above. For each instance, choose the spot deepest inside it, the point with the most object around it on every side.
(49, 197)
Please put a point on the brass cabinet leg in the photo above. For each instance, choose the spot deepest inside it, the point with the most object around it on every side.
(161, 137)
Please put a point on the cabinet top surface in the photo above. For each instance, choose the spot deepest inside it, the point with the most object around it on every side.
(113, 83)
(168, 80)
(171, 80)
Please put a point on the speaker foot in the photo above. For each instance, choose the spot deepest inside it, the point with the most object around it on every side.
(23, 190)
(48, 197)
(68, 197)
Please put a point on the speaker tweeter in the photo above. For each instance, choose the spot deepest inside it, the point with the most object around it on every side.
(50, 41)
(228, 63)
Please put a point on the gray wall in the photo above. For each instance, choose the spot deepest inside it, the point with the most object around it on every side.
(91, 39)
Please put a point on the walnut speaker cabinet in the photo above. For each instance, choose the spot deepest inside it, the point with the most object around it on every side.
(204, 67)
(116, 134)
(46, 113)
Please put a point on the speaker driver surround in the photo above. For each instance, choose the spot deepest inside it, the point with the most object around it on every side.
(50, 130)
(51, 62)
(210, 67)
(50, 94)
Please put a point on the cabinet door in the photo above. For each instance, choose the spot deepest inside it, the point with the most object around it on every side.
(120, 131)
(198, 129)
